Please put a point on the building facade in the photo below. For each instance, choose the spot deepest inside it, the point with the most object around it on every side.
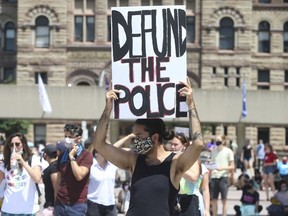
(69, 44)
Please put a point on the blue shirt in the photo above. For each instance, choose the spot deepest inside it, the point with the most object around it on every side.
(283, 168)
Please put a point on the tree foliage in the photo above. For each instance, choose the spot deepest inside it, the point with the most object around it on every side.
(9, 126)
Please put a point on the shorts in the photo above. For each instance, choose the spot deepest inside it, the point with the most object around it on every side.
(268, 169)
(217, 186)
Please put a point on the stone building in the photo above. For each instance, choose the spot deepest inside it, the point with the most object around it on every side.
(69, 44)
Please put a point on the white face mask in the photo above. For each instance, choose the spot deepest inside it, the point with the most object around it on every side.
(69, 142)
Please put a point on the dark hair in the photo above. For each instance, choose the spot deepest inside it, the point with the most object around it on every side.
(153, 126)
(183, 139)
(27, 153)
(73, 129)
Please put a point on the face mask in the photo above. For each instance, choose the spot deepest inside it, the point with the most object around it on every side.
(218, 143)
(178, 151)
(69, 142)
(143, 145)
(126, 187)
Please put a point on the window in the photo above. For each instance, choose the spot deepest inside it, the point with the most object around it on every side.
(226, 76)
(10, 36)
(43, 76)
(285, 38)
(265, 1)
(84, 20)
(263, 134)
(8, 76)
(263, 79)
(214, 70)
(78, 28)
(157, 2)
(145, 2)
(190, 29)
(39, 134)
(238, 77)
(90, 26)
(42, 32)
(226, 34)
(264, 37)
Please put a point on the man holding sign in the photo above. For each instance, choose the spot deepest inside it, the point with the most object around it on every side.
(148, 65)
(156, 173)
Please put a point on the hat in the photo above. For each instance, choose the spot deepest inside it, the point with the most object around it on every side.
(50, 149)
(61, 145)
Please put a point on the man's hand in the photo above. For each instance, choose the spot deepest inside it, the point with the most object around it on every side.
(73, 151)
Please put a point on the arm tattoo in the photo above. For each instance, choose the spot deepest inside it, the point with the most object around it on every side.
(197, 135)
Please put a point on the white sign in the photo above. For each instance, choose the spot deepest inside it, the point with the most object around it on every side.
(148, 61)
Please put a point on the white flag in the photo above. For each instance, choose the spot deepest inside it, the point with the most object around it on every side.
(43, 97)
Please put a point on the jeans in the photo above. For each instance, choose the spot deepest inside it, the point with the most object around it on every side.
(95, 209)
(61, 209)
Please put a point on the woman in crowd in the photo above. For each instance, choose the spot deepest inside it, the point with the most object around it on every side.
(101, 198)
(20, 196)
(247, 158)
(190, 198)
(268, 169)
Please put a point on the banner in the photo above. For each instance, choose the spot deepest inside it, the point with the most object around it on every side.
(149, 61)
(43, 97)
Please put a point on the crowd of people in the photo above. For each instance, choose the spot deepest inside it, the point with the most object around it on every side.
(161, 174)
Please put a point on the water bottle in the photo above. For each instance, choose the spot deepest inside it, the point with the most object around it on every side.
(13, 161)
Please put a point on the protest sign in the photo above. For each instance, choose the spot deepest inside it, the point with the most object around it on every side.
(149, 61)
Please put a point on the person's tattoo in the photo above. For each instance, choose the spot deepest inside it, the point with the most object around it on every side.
(197, 135)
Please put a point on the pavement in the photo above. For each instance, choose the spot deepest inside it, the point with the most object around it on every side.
(234, 196)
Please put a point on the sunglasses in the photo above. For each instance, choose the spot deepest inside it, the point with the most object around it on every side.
(17, 144)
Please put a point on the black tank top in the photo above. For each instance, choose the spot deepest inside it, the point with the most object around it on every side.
(152, 192)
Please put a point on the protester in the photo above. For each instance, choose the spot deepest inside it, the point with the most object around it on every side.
(124, 198)
(101, 199)
(279, 204)
(156, 172)
(247, 158)
(250, 201)
(282, 166)
(269, 169)
(223, 158)
(50, 178)
(189, 194)
(20, 195)
(260, 154)
(73, 167)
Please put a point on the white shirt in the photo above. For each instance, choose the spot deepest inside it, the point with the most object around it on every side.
(20, 195)
(101, 183)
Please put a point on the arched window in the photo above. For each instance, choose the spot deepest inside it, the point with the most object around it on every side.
(226, 34)
(42, 32)
(10, 36)
(264, 37)
(285, 38)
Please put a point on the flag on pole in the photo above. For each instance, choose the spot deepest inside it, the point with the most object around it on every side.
(43, 97)
(244, 108)
(103, 80)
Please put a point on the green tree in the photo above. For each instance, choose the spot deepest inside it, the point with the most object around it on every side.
(9, 126)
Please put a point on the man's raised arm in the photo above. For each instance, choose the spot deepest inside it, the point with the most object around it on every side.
(119, 157)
